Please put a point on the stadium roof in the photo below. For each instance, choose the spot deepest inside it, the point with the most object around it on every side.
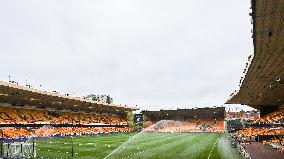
(263, 84)
(21, 96)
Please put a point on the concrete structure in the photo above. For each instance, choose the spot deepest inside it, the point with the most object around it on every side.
(262, 87)
(22, 96)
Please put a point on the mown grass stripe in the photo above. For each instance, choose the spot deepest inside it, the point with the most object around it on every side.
(151, 145)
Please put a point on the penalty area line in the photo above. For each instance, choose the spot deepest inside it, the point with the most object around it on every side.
(138, 153)
(212, 149)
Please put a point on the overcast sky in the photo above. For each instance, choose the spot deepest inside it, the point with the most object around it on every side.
(157, 54)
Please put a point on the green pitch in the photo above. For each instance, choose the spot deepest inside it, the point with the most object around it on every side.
(139, 146)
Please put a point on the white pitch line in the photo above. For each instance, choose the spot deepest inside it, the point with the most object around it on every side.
(135, 154)
(212, 149)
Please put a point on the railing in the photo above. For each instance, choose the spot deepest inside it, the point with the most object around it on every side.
(242, 150)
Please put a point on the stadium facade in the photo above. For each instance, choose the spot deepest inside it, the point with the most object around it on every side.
(262, 86)
(27, 113)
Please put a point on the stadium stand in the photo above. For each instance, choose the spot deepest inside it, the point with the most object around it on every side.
(274, 117)
(11, 115)
(262, 85)
(26, 112)
(14, 133)
(268, 129)
(239, 120)
(193, 120)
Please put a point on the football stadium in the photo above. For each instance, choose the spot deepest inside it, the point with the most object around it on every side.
(35, 123)
(38, 124)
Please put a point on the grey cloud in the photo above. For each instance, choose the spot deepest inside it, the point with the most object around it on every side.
(156, 54)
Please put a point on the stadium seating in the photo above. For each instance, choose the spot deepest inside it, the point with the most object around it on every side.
(22, 116)
(14, 133)
(261, 131)
(193, 120)
(40, 132)
(192, 126)
(276, 116)
(273, 137)
(10, 115)
(269, 130)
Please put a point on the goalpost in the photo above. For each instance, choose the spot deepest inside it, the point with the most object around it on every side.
(19, 150)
